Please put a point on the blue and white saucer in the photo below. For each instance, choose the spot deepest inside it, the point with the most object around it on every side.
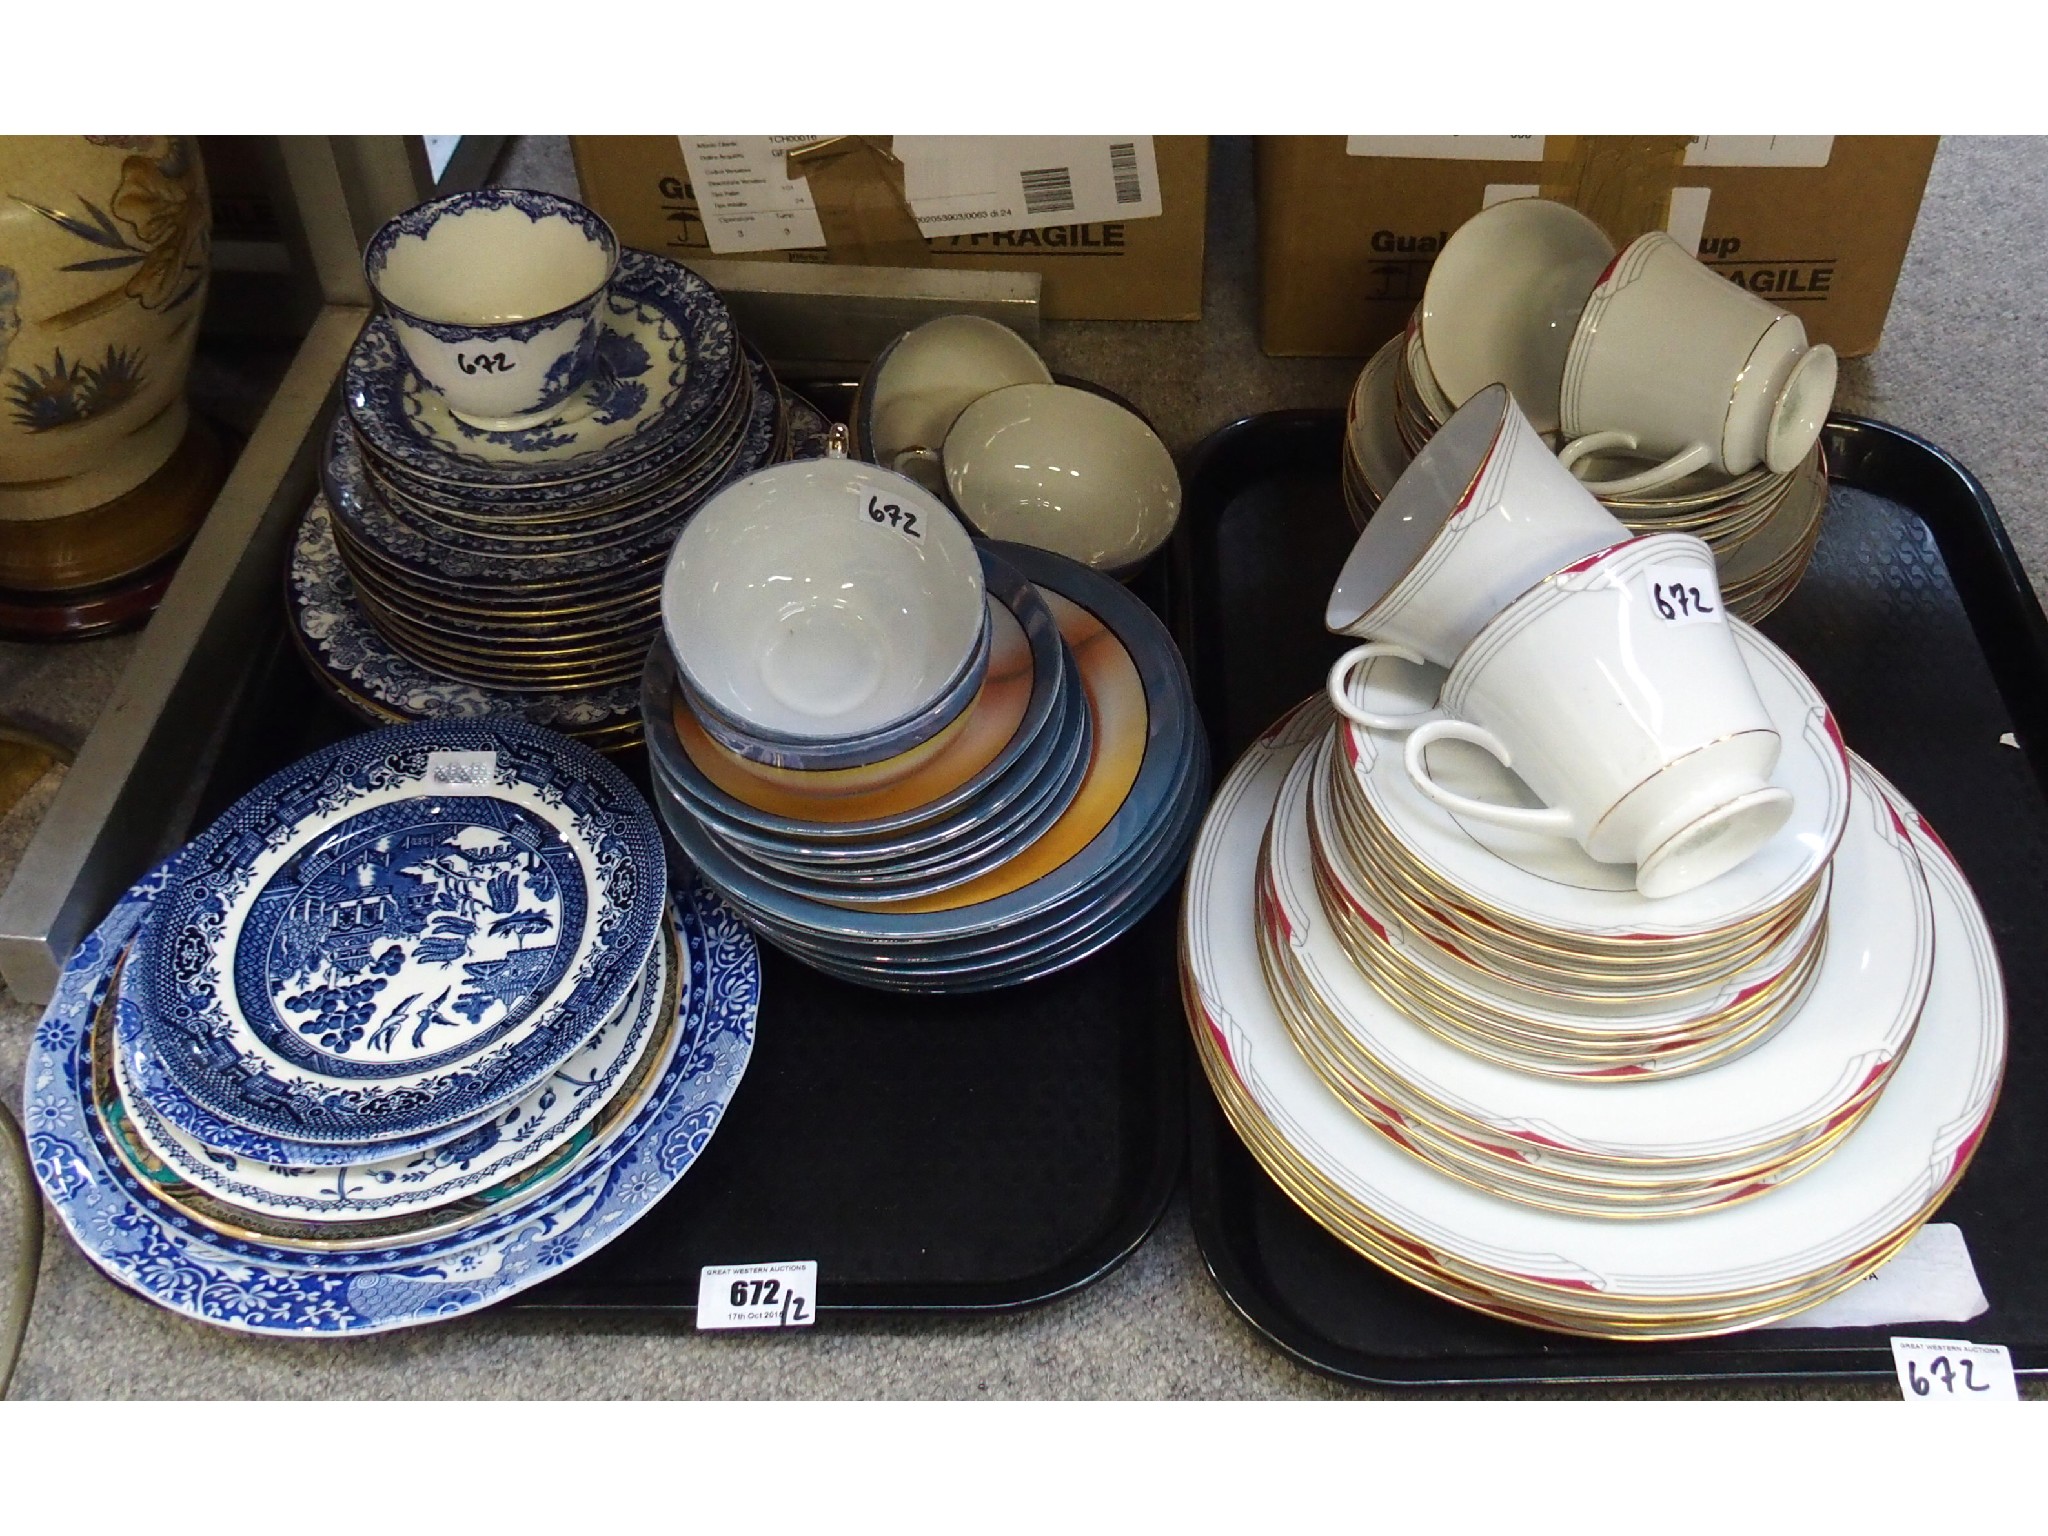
(514, 1140)
(362, 666)
(256, 1288)
(399, 932)
(441, 555)
(665, 355)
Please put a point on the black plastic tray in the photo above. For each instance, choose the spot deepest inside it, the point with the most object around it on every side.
(1918, 624)
(932, 1154)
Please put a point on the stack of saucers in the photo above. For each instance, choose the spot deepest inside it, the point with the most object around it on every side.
(414, 1026)
(912, 761)
(465, 565)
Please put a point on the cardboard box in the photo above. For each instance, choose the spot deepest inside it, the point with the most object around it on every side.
(1346, 240)
(1140, 269)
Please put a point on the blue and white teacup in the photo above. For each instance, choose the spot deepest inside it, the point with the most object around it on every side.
(495, 296)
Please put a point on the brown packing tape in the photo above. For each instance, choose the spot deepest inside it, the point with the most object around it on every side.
(1622, 184)
(1137, 269)
(857, 185)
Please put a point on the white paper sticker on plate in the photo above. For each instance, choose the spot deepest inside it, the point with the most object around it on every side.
(462, 773)
(1684, 592)
(1447, 146)
(955, 185)
(758, 1295)
(1930, 1280)
(1954, 1371)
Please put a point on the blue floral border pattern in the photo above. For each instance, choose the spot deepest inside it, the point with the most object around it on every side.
(257, 1289)
(181, 978)
(359, 662)
(381, 391)
(418, 222)
(444, 553)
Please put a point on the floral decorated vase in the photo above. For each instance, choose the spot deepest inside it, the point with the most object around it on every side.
(104, 257)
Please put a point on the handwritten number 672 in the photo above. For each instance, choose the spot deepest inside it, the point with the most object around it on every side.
(880, 511)
(1676, 600)
(1940, 1369)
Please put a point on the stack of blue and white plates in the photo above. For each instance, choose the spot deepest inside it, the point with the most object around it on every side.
(417, 1024)
(1050, 816)
(451, 571)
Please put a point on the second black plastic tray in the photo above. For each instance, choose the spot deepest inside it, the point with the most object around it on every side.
(1917, 623)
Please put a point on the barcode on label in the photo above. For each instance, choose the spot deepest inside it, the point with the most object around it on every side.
(1123, 166)
(1048, 191)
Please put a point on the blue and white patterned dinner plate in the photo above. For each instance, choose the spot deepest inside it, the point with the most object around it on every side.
(399, 932)
(359, 663)
(256, 1288)
(511, 1141)
(665, 355)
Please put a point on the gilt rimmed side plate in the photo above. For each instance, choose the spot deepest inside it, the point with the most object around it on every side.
(1369, 422)
(400, 931)
(1885, 1178)
(359, 663)
(1850, 1028)
(1550, 883)
(447, 558)
(664, 355)
(255, 1288)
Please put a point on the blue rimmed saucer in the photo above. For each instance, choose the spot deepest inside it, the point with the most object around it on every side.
(664, 356)
(1139, 834)
(399, 932)
(1012, 769)
(256, 1288)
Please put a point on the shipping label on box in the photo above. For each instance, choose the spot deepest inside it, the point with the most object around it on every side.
(1115, 225)
(749, 200)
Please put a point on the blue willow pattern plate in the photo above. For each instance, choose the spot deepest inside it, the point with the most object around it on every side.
(665, 354)
(512, 1140)
(255, 1288)
(361, 664)
(400, 931)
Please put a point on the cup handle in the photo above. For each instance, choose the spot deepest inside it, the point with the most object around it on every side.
(922, 465)
(1339, 688)
(1556, 822)
(1677, 467)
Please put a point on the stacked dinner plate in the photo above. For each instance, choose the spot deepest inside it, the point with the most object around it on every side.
(448, 570)
(1050, 815)
(415, 1025)
(1488, 1064)
(1761, 527)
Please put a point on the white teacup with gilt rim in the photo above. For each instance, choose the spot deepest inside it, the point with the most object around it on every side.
(1671, 362)
(494, 295)
(1615, 689)
(1480, 514)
